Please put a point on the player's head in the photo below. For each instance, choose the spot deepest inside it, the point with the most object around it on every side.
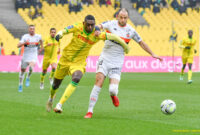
(53, 32)
(31, 29)
(122, 16)
(190, 33)
(89, 23)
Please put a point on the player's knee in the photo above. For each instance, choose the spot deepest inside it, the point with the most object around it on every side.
(30, 69)
(76, 79)
(113, 89)
(44, 71)
(55, 86)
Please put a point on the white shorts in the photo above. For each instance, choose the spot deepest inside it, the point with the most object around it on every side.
(25, 64)
(109, 69)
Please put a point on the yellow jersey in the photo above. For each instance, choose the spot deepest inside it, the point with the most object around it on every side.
(51, 46)
(188, 42)
(81, 43)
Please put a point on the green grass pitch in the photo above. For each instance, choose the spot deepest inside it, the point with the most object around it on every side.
(139, 113)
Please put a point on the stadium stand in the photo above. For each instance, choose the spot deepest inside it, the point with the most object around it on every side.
(10, 42)
(156, 34)
(162, 22)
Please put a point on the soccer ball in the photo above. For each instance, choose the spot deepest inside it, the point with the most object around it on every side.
(168, 106)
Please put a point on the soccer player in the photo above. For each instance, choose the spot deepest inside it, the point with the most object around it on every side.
(73, 59)
(31, 42)
(112, 58)
(187, 44)
(51, 49)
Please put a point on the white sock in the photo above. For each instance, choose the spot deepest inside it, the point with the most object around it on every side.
(59, 105)
(93, 97)
(50, 99)
(21, 78)
(113, 89)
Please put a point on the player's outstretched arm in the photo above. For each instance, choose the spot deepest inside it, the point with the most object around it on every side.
(181, 45)
(148, 50)
(41, 46)
(20, 45)
(119, 40)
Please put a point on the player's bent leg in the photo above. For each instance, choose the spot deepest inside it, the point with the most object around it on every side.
(190, 73)
(113, 89)
(31, 66)
(53, 91)
(100, 77)
(182, 72)
(21, 79)
(53, 66)
(42, 76)
(76, 77)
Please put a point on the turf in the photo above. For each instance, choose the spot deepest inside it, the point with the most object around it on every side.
(139, 112)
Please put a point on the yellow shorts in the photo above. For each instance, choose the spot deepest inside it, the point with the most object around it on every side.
(186, 60)
(47, 62)
(65, 68)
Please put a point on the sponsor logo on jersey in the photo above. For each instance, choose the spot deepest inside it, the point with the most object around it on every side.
(85, 40)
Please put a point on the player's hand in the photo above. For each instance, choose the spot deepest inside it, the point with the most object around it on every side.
(26, 43)
(58, 52)
(40, 50)
(48, 44)
(187, 47)
(97, 33)
(127, 49)
(157, 57)
(195, 51)
(57, 37)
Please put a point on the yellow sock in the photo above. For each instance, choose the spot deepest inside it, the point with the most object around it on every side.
(68, 91)
(190, 75)
(52, 73)
(42, 77)
(52, 92)
(182, 71)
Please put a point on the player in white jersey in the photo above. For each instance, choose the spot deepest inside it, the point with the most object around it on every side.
(31, 42)
(112, 58)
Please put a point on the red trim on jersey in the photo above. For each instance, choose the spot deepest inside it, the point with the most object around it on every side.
(108, 31)
(125, 39)
(32, 43)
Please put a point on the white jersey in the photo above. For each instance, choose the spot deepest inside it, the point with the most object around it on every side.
(112, 51)
(31, 47)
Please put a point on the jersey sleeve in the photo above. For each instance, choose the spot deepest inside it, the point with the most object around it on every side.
(106, 24)
(183, 42)
(40, 37)
(102, 36)
(136, 36)
(23, 39)
(45, 42)
(71, 28)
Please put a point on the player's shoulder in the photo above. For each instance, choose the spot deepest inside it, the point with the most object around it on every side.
(37, 35)
(110, 22)
(26, 35)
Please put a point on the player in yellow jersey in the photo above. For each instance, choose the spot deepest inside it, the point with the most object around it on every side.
(51, 49)
(73, 59)
(187, 44)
